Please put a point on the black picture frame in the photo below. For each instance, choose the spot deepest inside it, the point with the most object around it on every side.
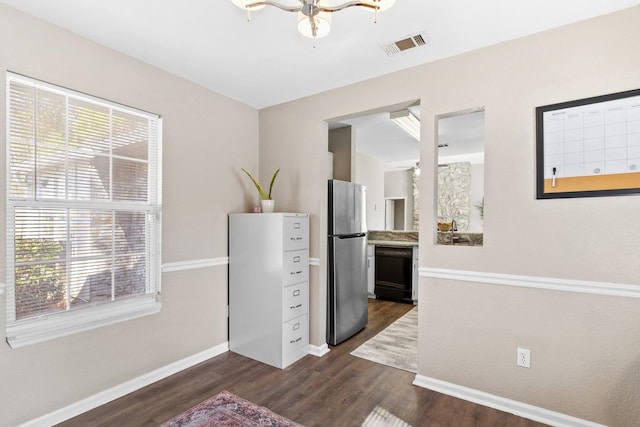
(611, 180)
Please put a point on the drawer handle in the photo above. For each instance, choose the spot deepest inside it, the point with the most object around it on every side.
(295, 341)
(296, 272)
(296, 238)
(296, 293)
(293, 307)
(296, 259)
(296, 326)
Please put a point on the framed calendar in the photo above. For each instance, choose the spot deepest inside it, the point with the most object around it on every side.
(589, 147)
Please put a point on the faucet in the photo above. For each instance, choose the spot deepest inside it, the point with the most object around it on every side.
(453, 229)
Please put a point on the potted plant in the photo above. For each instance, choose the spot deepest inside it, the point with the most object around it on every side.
(266, 202)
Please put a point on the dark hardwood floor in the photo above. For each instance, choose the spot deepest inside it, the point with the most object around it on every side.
(335, 390)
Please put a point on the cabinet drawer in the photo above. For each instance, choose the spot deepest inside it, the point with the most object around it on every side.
(295, 334)
(295, 267)
(296, 233)
(295, 301)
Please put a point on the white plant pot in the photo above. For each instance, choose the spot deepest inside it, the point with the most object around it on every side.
(267, 205)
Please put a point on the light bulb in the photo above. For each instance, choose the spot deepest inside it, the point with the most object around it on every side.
(321, 28)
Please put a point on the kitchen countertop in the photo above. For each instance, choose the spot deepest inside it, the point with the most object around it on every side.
(460, 238)
(399, 243)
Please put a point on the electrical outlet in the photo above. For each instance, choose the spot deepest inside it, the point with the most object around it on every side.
(523, 357)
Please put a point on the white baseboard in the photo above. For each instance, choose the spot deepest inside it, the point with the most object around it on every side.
(120, 390)
(318, 350)
(502, 404)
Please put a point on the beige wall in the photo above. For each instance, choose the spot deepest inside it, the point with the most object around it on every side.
(585, 348)
(342, 145)
(206, 139)
(370, 173)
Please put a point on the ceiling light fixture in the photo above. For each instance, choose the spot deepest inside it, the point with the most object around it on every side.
(407, 121)
(314, 15)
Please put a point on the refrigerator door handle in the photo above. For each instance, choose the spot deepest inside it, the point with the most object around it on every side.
(349, 236)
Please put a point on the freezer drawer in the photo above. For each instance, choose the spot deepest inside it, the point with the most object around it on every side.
(347, 208)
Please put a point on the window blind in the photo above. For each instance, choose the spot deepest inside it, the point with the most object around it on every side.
(83, 208)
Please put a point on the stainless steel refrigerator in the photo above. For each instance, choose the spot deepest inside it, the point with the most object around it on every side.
(347, 261)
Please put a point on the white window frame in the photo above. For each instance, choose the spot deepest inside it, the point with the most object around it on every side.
(46, 327)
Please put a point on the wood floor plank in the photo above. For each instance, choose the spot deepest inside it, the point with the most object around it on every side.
(335, 390)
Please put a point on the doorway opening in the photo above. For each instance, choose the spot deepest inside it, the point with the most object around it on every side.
(394, 214)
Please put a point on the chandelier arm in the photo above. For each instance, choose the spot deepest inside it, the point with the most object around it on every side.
(273, 3)
(340, 7)
(321, 8)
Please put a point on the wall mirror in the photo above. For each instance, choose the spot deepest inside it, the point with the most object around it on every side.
(380, 149)
(460, 177)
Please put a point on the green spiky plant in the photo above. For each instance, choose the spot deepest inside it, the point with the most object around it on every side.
(263, 195)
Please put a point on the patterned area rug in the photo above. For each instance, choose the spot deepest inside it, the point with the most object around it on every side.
(228, 410)
(396, 346)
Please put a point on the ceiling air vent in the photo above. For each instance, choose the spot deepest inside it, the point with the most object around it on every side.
(407, 43)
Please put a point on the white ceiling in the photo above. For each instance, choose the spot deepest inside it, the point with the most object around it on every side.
(460, 137)
(378, 137)
(265, 61)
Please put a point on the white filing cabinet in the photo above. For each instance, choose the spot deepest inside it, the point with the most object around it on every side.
(269, 286)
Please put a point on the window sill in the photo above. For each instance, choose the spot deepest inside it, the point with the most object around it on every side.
(32, 331)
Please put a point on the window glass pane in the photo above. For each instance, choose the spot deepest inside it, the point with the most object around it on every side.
(51, 118)
(50, 172)
(130, 135)
(131, 232)
(39, 245)
(131, 276)
(22, 113)
(129, 180)
(50, 145)
(90, 281)
(22, 163)
(40, 289)
(22, 140)
(38, 224)
(88, 126)
(91, 233)
(89, 176)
